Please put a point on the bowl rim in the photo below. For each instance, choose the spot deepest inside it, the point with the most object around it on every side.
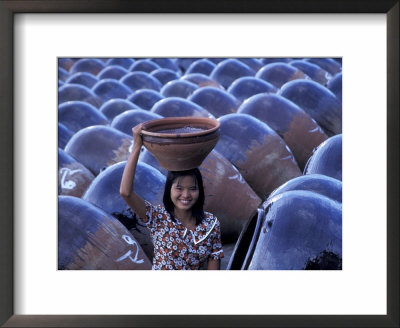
(177, 122)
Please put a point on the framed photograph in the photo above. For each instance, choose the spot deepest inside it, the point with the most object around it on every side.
(364, 34)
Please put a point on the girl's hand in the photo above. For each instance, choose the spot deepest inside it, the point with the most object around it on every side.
(137, 135)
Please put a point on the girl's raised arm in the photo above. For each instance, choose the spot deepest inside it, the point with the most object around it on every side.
(126, 189)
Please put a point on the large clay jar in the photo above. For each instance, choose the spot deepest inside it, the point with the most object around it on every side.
(148, 158)
(114, 107)
(145, 98)
(167, 63)
(335, 85)
(180, 143)
(109, 89)
(315, 183)
(227, 195)
(127, 120)
(98, 147)
(216, 60)
(104, 193)
(104, 190)
(202, 66)
(318, 102)
(229, 70)
(89, 65)
(62, 74)
(178, 88)
(330, 65)
(245, 87)
(143, 65)
(201, 80)
(279, 73)
(179, 107)
(244, 246)
(76, 115)
(266, 61)
(112, 72)
(299, 131)
(123, 62)
(254, 63)
(140, 80)
(257, 151)
(318, 183)
(64, 134)
(313, 71)
(165, 75)
(83, 78)
(327, 159)
(218, 102)
(70, 92)
(302, 230)
(184, 63)
(66, 63)
(91, 239)
(73, 177)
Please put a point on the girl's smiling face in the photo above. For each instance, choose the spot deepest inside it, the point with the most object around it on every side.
(184, 192)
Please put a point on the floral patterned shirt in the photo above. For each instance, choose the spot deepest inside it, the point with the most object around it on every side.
(178, 248)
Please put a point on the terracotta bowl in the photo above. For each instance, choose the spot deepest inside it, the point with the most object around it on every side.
(180, 143)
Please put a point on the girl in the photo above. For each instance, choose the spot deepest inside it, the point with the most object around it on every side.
(183, 235)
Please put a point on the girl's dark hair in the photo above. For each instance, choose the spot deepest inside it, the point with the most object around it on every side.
(197, 209)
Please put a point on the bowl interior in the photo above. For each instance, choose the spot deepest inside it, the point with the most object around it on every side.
(180, 127)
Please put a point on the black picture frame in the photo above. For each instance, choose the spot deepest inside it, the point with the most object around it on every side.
(10, 7)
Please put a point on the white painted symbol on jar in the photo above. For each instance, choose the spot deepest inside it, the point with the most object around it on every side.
(66, 173)
(130, 241)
